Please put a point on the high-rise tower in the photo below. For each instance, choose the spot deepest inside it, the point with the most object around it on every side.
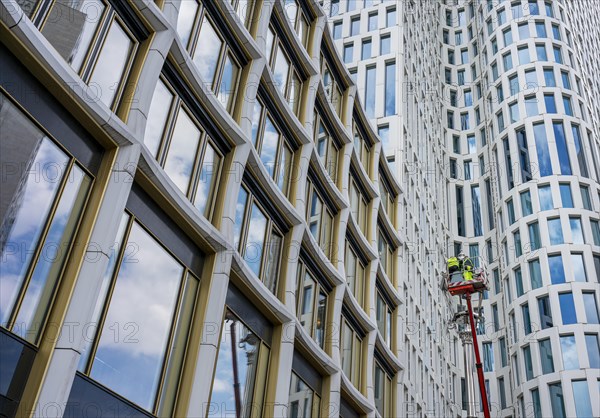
(514, 87)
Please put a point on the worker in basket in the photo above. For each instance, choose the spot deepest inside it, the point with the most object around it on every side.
(455, 268)
(467, 266)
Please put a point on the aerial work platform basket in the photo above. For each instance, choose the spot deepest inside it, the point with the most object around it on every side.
(456, 284)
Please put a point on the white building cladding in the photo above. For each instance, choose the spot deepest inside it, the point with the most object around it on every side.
(517, 93)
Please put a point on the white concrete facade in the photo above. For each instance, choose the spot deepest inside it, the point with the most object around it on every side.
(453, 57)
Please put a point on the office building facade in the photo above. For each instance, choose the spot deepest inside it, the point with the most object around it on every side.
(514, 87)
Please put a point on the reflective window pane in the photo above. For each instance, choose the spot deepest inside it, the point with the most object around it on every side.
(185, 20)
(591, 308)
(272, 262)
(240, 207)
(71, 26)
(578, 268)
(546, 356)
(555, 231)
(111, 64)
(241, 345)
(182, 151)
(207, 52)
(33, 190)
(228, 83)
(569, 352)
(300, 399)
(567, 308)
(205, 189)
(593, 349)
(47, 270)
(140, 313)
(157, 116)
(581, 394)
(281, 71)
(270, 143)
(557, 400)
(255, 242)
(557, 271)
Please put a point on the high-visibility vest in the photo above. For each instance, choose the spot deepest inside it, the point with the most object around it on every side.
(452, 262)
(467, 264)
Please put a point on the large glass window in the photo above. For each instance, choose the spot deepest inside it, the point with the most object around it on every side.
(567, 308)
(545, 195)
(326, 147)
(488, 357)
(303, 400)
(137, 332)
(384, 318)
(537, 406)
(591, 307)
(476, 207)
(386, 254)
(569, 352)
(348, 53)
(358, 205)
(534, 236)
(186, 152)
(298, 20)
(576, 230)
(561, 147)
(526, 206)
(526, 318)
(535, 274)
(44, 194)
(557, 400)
(319, 217)
(546, 356)
(94, 41)
(385, 44)
(259, 239)
(286, 76)
(578, 267)
(311, 303)
(555, 231)
(273, 147)
(581, 394)
(370, 81)
(557, 271)
(351, 352)
(593, 350)
(355, 273)
(390, 88)
(215, 61)
(543, 154)
(383, 391)
(565, 195)
(545, 312)
(595, 226)
(241, 368)
(366, 49)
(528, 362)
(580, 151)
